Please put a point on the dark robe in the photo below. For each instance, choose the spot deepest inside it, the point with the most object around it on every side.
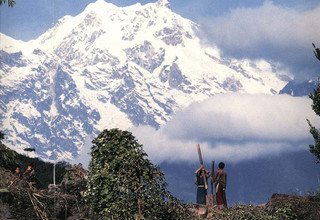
(18, 175)
(30, 177)
(220, 179)
(201, 190)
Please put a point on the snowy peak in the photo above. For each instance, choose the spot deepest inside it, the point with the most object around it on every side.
(100, 6)
(9, 44)
(113, 67)
(118, 26)
(163, 3)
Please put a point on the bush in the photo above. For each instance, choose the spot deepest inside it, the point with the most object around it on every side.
(124, 184)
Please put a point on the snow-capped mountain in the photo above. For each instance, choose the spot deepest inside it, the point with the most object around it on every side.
(295, 88)
(109, 67)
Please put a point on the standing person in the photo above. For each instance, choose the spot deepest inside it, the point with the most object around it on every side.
(202, 186)
(29, 176)
(220, 179)
(17, 172)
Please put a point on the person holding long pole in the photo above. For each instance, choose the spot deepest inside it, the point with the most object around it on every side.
(202, 176)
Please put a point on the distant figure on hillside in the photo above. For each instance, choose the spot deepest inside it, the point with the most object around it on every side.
(17, 172)
(316, 51)
(220, 179)
(202, 176)
(29, 176)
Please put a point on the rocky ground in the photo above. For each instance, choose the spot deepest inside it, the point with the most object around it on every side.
(62, 201)
(279, 207)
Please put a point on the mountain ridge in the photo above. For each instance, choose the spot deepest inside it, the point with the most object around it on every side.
(296, 88)
(113, 67)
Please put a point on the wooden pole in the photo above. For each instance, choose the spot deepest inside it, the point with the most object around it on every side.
(212, 176)
(201, 163)
(54, 173)
(199, 154)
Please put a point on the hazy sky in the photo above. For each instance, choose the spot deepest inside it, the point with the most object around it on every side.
(280, 31)
(30, 18)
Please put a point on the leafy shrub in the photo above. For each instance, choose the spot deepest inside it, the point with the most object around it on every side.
(124, 184)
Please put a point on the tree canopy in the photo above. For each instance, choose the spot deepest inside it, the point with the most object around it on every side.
(124, 184)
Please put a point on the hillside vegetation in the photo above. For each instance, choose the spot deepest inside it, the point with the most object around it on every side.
(67, 200)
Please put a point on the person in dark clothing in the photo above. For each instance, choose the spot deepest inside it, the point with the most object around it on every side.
(202, 185)
(29, 176)
(220, 179)
(17, 172)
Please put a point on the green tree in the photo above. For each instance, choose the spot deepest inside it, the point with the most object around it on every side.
(315, 96)
(10, 2)
(6, 156)
(124, 184)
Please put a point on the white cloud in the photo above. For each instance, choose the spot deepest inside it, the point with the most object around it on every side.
(270, 31)
(232, 127)
(248, 27)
